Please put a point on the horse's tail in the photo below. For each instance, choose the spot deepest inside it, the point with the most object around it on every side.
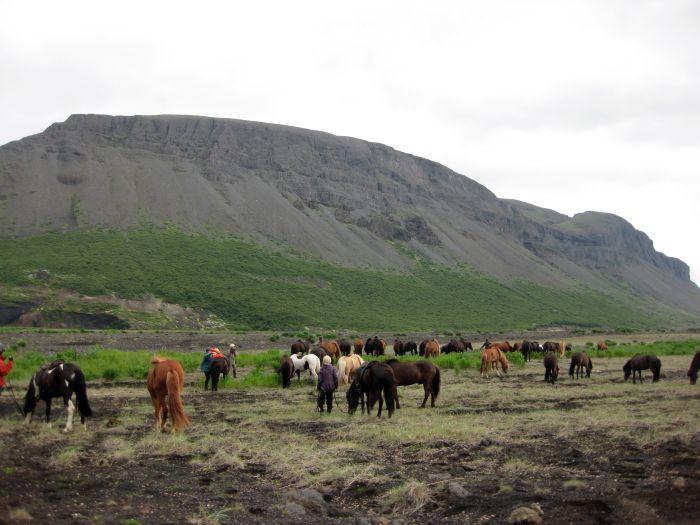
(389, 397)
(30, 397)
(177, 410)
(436, 382)
(80, 388)
(484, 363)
(572, 367)
(341, 371)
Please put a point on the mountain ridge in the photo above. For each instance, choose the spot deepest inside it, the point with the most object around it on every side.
(345, 200)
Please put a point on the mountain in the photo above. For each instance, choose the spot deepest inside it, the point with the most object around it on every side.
(348, 202)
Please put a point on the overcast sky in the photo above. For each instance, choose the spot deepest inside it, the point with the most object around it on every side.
(569, 105)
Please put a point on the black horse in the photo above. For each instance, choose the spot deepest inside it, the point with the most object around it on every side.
(59, 379)
(453, 346)
(345, 347)
(373, 346)
(217, 367)
(642, 362)
(372, 380)
(551, 368)
(319, 352)
(580, 360)
(528, 347)
(410, 347)
(300, 346)
(550, 346)
(286, 370)
(694, 366)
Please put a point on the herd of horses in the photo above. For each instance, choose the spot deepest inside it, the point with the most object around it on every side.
(368, 382)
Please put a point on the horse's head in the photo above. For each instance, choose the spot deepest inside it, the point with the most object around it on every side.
(353, 397)
(627, 369)
(693, 375)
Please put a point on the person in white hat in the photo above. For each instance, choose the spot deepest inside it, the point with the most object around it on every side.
(232, 353)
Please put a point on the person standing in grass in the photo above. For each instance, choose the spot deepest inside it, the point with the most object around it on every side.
(232, 353)
(327, 384)
(5, 367)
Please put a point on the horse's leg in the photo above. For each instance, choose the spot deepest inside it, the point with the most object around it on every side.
(70, 410)
(48, 412)
(381, 403)
(206, 380)
(215, 381)
(427, 390)
(163, 414)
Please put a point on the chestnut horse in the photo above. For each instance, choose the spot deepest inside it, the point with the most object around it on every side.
(432, 348)
(358, 344)
(331, 347)
(602, 346)
(166, 379)
(504, 346)
(347, 365)
(563, 347)
(422, 372)
(493, 356)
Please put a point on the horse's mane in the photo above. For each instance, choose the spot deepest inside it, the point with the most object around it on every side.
(158, 359)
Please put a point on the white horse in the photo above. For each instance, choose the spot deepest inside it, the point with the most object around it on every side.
(347, 366)
(310, 361)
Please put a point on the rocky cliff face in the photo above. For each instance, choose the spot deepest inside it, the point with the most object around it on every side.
(339, 198)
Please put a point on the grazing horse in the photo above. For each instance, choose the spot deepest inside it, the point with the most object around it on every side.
(493, 356)
(375, 346)
(410, 348)
(421, 372)
(286, 370)
(58, 379)
(518, 346)
(432, 348)
(527, 348)
(347, 365)
(166, 379)
(642, 362)
(398, 347)
(551, 368)
(331, 347)
(453, 346)
(358, 344)
(601, 345)
(371, 381)
(563, 347)
(308, 362)
(693, 370)
(580, 360)
(549, 346)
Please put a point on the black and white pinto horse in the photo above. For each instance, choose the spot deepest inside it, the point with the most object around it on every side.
(58, 379)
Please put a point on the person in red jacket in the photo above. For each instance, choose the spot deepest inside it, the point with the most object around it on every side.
(5, 367)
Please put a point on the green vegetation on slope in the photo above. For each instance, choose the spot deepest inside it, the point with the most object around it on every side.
(250, 288)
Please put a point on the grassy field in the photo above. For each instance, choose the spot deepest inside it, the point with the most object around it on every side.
(587, 451)
(250, 288)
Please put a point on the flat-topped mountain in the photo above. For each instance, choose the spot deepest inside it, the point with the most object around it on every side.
(347, 201)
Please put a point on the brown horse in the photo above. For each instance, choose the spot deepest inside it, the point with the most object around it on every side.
(694, 366)
(358, 344)
(551, 368)
(642, 362)
(432, 348)
(331, 347)
(518, 346)
(166, 379)
(602, 346)
(493, 356)
(347, 365)
(417, 372)
(580, 360)
(503, 346)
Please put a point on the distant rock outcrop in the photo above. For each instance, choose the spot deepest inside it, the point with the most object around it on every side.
(336, 197)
